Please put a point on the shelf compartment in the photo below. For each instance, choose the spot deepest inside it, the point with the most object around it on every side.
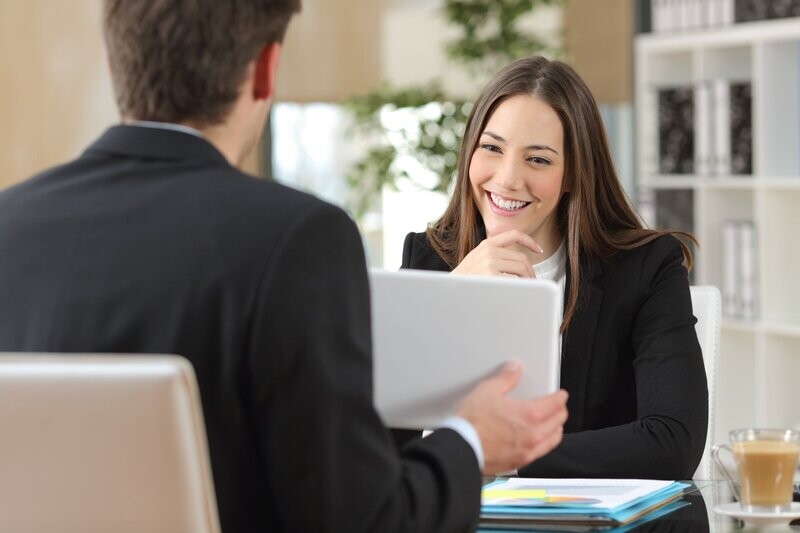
(736, 387)
(693, 181)
(669, 69)
(781, 369)
(717, 207)
(784, 330)
(780, 255)
(740, 326)
(739, 34)
(776, 106)
(730, 63)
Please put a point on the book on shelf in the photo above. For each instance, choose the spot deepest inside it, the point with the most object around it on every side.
(730, 269)
(686, 15)
(727, 128)
(704, 129)
(752, 10)
(676, 130)
(740, 123)
(644, 16)
(726, 12)
(572, 504)
(720, 102)
(649, 144)
(749, 270)
(674, 210)
(740, 273)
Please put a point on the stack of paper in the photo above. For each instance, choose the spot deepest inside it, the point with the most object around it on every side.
(592, 502)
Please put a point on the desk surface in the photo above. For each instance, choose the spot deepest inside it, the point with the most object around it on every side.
(697, 517)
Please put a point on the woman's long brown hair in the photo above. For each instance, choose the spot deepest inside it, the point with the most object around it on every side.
(594, 215)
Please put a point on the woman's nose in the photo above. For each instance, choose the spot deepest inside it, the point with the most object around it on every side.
(508, 175)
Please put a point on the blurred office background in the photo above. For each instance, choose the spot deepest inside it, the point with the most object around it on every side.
(57, 95)
(647, 62)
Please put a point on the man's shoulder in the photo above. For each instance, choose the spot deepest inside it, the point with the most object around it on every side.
(266, 190)
(28, 187)
(267, 199)
(217, 199)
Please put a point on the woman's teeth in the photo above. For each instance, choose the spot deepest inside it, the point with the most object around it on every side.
(508, 205)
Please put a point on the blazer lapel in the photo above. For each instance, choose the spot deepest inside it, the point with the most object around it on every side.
(578, 342)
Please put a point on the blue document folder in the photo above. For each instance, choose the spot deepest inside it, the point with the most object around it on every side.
(576, 501)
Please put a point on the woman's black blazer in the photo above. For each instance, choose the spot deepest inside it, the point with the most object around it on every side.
(631, 362)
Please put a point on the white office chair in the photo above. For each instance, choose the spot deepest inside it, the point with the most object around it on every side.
(706, 305)
(103, 443)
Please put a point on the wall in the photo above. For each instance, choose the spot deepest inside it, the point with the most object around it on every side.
(598, 35)
(55, 95)
(413, 38)
(331, 51)
(55, 92)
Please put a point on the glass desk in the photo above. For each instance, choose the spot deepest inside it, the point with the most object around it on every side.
(698, 516)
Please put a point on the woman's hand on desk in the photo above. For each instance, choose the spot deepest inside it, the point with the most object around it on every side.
(513, 432)
(509, 253)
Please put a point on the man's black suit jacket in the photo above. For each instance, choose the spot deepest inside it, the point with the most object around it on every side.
(151, 242)
(631, 362)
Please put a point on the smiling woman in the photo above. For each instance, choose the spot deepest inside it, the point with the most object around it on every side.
(517, 170)
(537, 195)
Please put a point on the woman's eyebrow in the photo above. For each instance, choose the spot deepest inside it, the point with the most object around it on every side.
(500, 139)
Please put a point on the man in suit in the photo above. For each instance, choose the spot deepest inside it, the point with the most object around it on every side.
(152, 241)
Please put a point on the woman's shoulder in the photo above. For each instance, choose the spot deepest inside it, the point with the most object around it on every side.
(418, 254)
(649, 258)
(416, 241)
(661, 246)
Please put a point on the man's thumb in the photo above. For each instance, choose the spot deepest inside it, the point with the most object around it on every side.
(509, 376)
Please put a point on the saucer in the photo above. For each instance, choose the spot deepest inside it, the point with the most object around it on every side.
(758, 519)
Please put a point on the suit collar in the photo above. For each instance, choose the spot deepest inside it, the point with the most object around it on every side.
(152, 143)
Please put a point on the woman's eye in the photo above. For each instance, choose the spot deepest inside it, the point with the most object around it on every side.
(490, 147)
(538, 160)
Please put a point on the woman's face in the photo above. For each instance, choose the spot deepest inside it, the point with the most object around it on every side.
(517, 170)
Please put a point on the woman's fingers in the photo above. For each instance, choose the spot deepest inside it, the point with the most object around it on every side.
(495, 261)
(519, 268)
(511, 237)
(509, 253)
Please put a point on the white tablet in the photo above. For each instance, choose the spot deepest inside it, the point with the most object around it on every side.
(436, 335)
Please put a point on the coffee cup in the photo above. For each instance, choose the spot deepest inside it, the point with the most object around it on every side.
(766, 460)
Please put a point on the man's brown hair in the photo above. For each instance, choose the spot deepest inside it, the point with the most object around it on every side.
(184, 60)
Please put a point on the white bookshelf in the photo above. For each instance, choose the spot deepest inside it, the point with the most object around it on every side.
(759, 364)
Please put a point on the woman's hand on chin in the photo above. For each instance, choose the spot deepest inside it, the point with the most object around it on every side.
(511, 253)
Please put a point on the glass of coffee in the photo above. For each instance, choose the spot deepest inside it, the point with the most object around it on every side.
(766, 460)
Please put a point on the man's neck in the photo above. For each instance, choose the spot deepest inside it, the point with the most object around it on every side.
(228, 141)
(222, 137)
(164, 126)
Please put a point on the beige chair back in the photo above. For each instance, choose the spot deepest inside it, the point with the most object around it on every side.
(100, 443)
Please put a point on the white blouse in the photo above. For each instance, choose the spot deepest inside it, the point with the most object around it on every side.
(554, 268)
